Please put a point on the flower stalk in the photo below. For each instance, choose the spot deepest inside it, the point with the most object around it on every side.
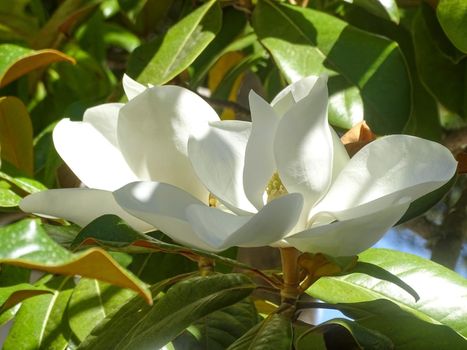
(290, 290)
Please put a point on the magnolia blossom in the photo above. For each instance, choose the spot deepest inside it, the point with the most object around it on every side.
(284, 179)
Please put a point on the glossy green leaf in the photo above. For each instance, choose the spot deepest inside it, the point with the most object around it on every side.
(233, 24)
(8, 198)
(26, 244)
(162, 59)
(16, 134)
(405, 331)
(16, 61)
(310, 42)
(304, 339)
(219, 329)
(442, 292)
(345, 107)
(364, 338)
(12, 295)
(441, 76)
(274, 332)
(91, 302)
(386, 9)
(136, 326)
(39, 324)
(452, 15)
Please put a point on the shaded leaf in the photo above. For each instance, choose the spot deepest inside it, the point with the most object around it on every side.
(162, 59)
(16, 134)
(183, 304)
(442, 292)
(16, 61)
(219, 329)
(26, 244)
(386, 9)
(274, 332)
(309, 42)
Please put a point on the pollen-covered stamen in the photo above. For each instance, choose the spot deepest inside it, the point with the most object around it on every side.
(275, 188)
(212, 200)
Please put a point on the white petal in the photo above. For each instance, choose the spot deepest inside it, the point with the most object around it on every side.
(259, 155)
(91, 151)
(218, 157)
(222, 230)
(79, 205)
(303, 146)
(293, 93)
(153, 131)
(348, 237)
(131, 87)
(385, 172)
(340, 155)
(163, 206)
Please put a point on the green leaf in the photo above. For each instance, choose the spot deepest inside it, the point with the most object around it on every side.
(16, 61)
(345, 105)
(304, 41)
(405, 331)
(441, 76)
(162, 59)
(452, 15)
(386, 9)
(382, 274)
(233, 24)
(443, 293)
(365, 338)
(16, 134)
(305, 340)
(136, 326)
(91, 302)
(39, 322)
(274, 332)
(12, 295)
(8, 198)
(219, 329)
(26, 244)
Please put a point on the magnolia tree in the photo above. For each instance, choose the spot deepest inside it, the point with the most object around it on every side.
(308, 127)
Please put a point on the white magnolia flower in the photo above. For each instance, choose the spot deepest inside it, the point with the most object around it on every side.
(284, 179)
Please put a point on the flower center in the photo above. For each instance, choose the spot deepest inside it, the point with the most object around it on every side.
(212, 201)
(275, 188)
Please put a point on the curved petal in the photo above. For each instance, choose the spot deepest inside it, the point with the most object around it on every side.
(153, 131)
(348, 237)
(259, 156)
(79, 205)
(90, 149)
(222, 230)
(385, 172)
(163, 206)
(218, 157)
(303, 146)
(131, 87)
(293, 93)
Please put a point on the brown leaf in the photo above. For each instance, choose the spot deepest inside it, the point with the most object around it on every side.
(357, 137)
(462, 163)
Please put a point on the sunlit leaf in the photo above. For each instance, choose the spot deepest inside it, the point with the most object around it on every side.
(386, 9)
(26, 244)
(16, 61)
(12, 295)
(162, 59)
(452, 15)
(311, 42)
(442, 292)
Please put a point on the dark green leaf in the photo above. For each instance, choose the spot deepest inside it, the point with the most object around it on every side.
(452, 15)
(381, 8)
(305, 340)
(309, 42)
(136, 326)
(218, 330)
(162, 59)
(442, 292)
(275, 332)
(441, 76)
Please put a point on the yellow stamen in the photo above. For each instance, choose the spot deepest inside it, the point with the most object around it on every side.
(212, 200)
(275, 188)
